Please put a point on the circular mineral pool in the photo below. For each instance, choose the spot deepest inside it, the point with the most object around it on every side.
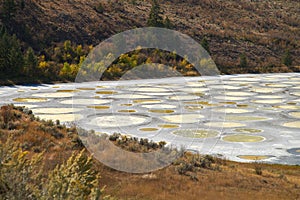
(295, 114)
(161, 111)
(295, 79)
(228, 103)
(224, 124)
(168, 126)
(278, 85)
(62, 117)
(193, 107)
(126, 104)
(196, 133)
(242, 138)
(183, 97)
(194, 90)
(86, 89)
(54, 95)
(250, 79)
(67, 91)
(253, 157)
(148, 89)
(267, 101)
(230, 98)
(157, 93)
(295, 151)
(31, 100)
(242, 106)
(102, 86)
(131, 96)
(148, 129)
(296, 94)
(245, 118)
(288, 107)
(114, 121)
(225, 87)
(232, 110)
(295, 124)
(55, 110)
(240, 83)
(183, 118)
(248, 130)
(276, 76)
(204, 103)
(85, 101)
(106, 92)
(159, 106)
(239, 94)
(143, 101)
(99, 107)
(266, 90)
(196, 84)
(269, 97)
(127, 111)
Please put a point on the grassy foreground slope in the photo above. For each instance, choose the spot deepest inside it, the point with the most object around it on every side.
(190, 177)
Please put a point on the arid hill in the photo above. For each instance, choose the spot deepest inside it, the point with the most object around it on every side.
(23, 137)
(262, 30)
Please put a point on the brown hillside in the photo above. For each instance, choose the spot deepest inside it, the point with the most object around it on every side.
(189, 177)
(263, 30)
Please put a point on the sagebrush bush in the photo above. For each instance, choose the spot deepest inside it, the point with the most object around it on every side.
(23, 177)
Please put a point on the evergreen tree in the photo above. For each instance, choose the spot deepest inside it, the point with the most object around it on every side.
(30, 63)
(167, 23)
(8, 9)
(155, 19)
(243, 61)
(11, 56)
(287, 58)
(204, 43)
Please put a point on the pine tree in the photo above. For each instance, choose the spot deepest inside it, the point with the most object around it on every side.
(30, 63)
(8, 9)
(243, 61)
(11, 56)
(155, 20)
(167, 23)
(287, 58)
(204, 43)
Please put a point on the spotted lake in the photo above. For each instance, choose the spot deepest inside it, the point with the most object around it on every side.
(241, 117)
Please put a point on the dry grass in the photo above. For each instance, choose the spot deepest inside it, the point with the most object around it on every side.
(263, 30)
(219, 179)
(234, 181)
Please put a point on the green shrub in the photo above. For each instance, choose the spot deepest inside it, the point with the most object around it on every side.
(22, 176)
(74, 179)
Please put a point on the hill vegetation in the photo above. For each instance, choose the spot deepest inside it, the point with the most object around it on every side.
(46, 160)
(54, 36)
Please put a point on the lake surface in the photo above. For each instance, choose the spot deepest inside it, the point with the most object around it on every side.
(241, 117)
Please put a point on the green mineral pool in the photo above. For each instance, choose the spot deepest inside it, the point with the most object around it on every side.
(196, 133)
(30, 100)
(245, 118)
(253, 157)
(168, 126)
(224, 124)
(182, 118)
(295, 124)
(248, 130)
(242, 138)
(148, 129)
